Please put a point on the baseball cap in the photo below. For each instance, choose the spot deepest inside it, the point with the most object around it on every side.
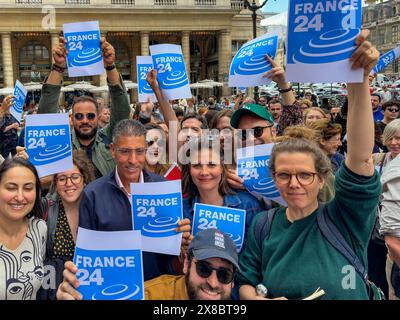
(213, 243)
(256, 109)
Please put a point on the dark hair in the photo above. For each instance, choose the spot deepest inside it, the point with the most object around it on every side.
(377, 95)
(85, 99)
(84, 165)
(202, 120)
(179, 112)
(8, 164)
(223, 113)
(390, 104)
(128, 128)
(198, 144)
(324, 129)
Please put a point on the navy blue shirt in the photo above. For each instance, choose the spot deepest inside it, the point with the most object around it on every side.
(105, 207)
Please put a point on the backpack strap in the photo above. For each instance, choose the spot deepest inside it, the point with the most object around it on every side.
(335, 238)
(263, 226)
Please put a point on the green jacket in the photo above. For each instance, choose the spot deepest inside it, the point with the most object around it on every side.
(120, 109)
(296, 259)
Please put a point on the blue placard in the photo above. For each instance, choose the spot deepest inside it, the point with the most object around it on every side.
(84, 51)
(386, 59)
(157, 216)
(49, 146)
(229, 220)
(109, 274)
(144, 65)
(171, 71)
(252, 167)
(321, 36)
(109, 265)
(156, 211)
(249, 64)
(19, 100)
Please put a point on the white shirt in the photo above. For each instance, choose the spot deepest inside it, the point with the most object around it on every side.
(121, 186)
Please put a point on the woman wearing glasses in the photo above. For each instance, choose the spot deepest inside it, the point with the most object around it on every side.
(295, 258)
(62, 211)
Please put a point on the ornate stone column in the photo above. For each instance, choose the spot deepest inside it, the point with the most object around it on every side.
(7, 60)
(144, 42)
(224, 59)
(186, 50)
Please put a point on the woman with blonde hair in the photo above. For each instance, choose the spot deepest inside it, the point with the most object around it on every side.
(313, 114)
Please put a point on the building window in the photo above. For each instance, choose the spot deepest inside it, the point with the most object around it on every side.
(34, 62)
(123, 62)
(395, 66)
(165, 2)
(395, 34)
(77, 2)
(123, 2)
(28, 1)
(205, 2)
(236, 45)
(381, 36)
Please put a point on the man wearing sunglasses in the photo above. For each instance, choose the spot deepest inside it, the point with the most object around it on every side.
(256, 123)
(390, 112)
(85, 113)
(209, 269)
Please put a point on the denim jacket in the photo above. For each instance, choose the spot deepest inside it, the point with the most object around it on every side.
(240, 200)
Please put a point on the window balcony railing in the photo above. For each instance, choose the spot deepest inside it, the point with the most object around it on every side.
(237, 4)
(77, 2)
(205, 2)
(165, 3)
(28, 2)
(123, 2)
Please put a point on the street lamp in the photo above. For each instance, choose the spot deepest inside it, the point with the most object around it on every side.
(253, 7)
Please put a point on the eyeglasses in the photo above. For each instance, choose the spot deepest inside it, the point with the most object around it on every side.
(204, 270)
(75, 178)
(256, 132)
(392, 109)
(160, 143)
(80, 116)
(126, 152)
(304, 178)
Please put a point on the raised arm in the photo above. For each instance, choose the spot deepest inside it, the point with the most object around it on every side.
(165, 107)
(360, 121)
(277, 74)
(51, 88)
(120, 108)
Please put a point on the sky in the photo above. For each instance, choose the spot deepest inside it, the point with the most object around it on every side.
(275, 6)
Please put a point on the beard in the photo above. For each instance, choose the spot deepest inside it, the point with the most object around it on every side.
(86, 136)
(193, 291)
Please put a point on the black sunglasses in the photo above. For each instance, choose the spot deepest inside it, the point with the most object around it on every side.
(257, 132)
(393, 109)
(80, 116)
(204, 270)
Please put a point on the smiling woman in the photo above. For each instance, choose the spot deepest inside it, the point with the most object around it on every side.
(22, 232)
(295, 258)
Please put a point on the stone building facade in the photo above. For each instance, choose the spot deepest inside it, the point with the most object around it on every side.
(382, 18)
(210, 32)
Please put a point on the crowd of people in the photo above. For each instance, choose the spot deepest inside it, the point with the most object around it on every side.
(336, 167)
